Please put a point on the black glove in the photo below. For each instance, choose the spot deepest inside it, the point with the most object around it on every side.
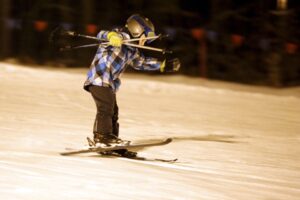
(172, 65)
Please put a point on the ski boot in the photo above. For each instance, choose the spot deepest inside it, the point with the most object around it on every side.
(109, 140)
(119, 153)
(112, 140)
(126, 153)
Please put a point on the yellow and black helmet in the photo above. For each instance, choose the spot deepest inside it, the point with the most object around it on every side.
(138, 25)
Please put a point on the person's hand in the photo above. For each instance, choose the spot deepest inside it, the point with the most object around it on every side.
(172, 65)
(114, 39)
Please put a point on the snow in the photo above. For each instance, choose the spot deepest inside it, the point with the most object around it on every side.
(232, 141)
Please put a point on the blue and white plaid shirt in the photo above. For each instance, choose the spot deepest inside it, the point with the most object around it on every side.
(110, 62)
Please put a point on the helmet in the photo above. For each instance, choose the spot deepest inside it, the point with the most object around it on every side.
(138, 25)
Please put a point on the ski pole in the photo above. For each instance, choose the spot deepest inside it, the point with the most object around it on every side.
(147, 47)
(146, 38)
(72, 33)
(68, 47)
(105, 42)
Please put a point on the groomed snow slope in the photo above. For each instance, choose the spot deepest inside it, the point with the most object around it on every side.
(231, 142)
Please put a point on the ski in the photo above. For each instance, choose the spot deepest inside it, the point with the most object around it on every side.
(133, 147)
(150, 159)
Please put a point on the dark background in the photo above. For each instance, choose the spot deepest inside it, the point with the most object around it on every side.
(253, 42)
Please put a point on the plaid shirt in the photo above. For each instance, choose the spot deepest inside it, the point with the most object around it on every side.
(110, 62)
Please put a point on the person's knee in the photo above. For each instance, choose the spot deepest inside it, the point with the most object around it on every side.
(105, 112)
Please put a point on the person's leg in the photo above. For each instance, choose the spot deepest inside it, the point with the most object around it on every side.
(105, 101)
(115, 118)
(115, 125)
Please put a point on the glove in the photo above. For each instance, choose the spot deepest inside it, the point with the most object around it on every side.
(172, 65)
(114, 39)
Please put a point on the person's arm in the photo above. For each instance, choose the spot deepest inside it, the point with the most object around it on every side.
(143, 63)
(102, 35)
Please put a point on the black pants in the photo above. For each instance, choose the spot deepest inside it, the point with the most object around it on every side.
(107, 116)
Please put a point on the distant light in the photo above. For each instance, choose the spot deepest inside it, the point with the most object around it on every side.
(282, 4)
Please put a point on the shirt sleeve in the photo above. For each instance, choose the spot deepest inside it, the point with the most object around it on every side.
(102, 35)
(140, 62)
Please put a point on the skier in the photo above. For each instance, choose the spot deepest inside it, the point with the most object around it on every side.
(103, 77)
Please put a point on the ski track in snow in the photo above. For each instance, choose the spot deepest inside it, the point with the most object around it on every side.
(231, 141)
